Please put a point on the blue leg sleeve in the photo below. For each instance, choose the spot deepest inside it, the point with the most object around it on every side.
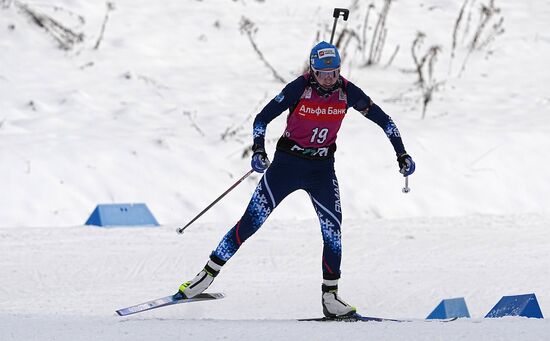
(326, 201)
(264, 200)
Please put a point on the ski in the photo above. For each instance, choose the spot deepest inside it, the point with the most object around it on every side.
(166, 301)
(360, 318)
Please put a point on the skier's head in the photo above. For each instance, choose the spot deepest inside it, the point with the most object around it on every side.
(324, 64)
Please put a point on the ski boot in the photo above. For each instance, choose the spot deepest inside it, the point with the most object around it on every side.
(201, 282)
(333, 305)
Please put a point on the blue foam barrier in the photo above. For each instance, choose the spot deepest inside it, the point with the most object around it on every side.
(518, 305)
(109, 215)
(451, 307)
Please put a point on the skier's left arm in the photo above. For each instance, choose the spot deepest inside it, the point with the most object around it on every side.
(363, 103)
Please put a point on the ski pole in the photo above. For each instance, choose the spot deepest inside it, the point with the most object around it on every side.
(181, 229)
(406, 189)
(336, 15)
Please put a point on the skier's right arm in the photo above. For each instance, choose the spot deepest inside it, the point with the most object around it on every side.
(286, 98)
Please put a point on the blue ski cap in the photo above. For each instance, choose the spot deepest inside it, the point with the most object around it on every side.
(324, 56)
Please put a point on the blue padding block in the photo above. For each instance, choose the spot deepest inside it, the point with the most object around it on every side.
(519, 305)
(122, 215)
(452, 307)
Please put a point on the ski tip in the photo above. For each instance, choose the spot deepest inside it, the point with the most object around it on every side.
(122, 312)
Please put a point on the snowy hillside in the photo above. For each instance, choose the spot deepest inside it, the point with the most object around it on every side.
(137, 101)
(134, 119)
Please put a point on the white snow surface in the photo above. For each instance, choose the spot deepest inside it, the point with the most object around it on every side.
(161, 113)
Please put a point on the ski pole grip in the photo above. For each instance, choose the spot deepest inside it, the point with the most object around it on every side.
(343, 11)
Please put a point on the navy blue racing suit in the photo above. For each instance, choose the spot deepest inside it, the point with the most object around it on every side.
(304, 159)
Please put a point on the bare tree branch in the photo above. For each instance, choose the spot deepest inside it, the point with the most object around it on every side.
(249, 28)
(110, 7)
(65, 37)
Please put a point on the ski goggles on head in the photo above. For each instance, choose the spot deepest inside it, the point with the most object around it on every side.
(326, 74)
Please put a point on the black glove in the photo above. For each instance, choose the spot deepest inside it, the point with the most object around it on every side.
(406, 164)
(259, 161)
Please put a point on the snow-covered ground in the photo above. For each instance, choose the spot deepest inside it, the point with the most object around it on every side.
(65, 283)
(161, 113)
